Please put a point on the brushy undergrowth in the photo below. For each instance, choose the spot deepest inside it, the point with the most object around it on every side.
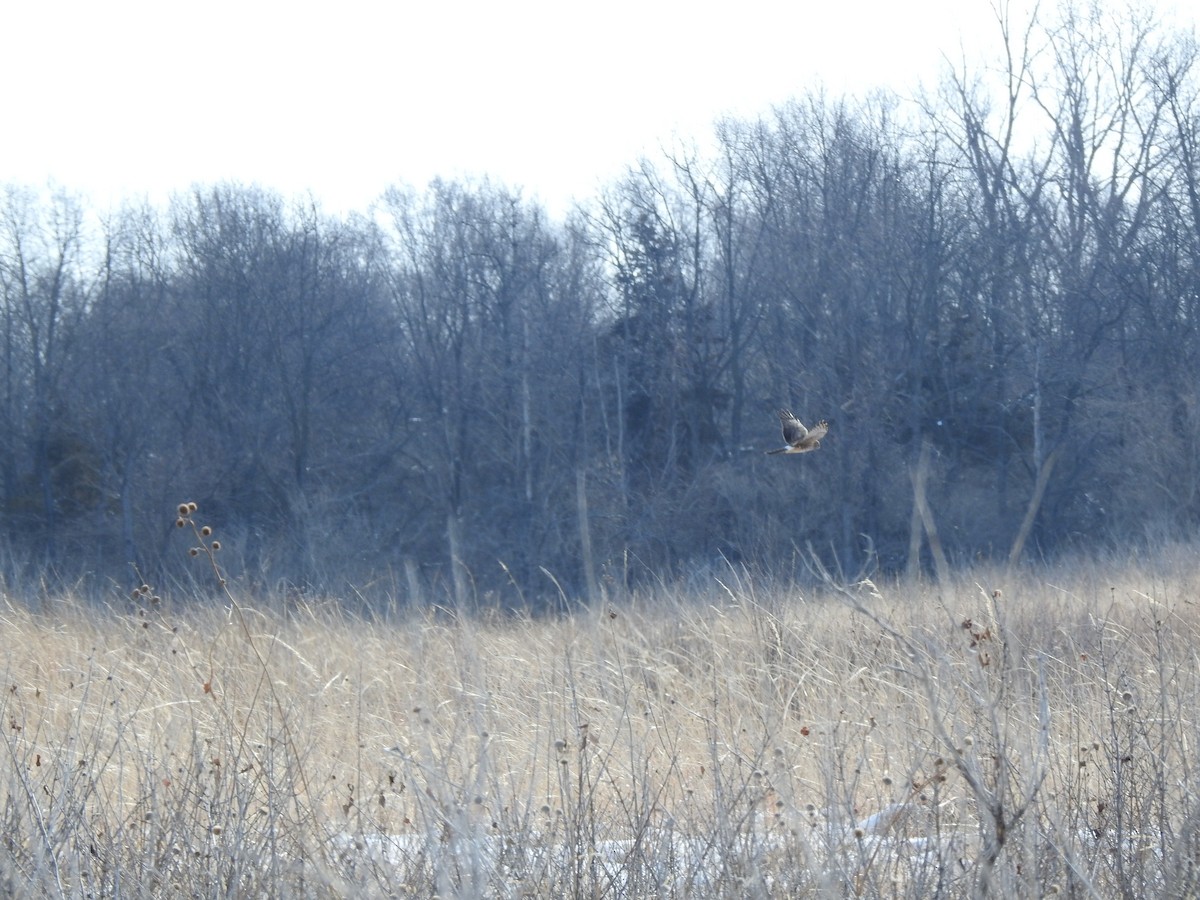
(1004, 735)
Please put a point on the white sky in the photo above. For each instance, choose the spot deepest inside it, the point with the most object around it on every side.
(144, 97)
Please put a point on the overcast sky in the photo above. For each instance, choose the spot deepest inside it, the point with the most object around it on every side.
(133, 97)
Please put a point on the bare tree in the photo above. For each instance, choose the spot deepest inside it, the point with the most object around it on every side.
(44, 288)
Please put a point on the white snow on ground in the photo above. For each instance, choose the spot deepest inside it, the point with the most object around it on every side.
(664, 861)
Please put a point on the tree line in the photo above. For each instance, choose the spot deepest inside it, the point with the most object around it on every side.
(991, 292)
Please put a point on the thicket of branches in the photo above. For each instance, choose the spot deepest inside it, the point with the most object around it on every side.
(992, 294)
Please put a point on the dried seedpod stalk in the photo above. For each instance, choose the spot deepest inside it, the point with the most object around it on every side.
(208, 548)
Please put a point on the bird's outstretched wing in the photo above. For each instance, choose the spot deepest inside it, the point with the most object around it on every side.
(793, 429)
(812, 440)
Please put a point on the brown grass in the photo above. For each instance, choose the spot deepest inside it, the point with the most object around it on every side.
(878, 740)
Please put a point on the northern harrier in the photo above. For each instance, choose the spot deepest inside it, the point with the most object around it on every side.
(799, 439)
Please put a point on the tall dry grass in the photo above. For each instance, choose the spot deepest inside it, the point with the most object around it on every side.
(1005, 735)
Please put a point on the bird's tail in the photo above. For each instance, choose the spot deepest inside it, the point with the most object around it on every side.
(780, 450)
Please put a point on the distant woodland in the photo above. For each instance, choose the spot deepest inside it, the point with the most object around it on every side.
(992, 292)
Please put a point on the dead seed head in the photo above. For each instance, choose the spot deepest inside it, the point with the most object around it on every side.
(194, 551)
(183, 509)
(179, 523)
(206, 531)
(192, 507)
(216, 545)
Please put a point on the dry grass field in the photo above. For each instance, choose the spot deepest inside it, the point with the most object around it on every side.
(1021, 735)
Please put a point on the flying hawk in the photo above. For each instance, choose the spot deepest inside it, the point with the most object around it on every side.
(799, 439)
